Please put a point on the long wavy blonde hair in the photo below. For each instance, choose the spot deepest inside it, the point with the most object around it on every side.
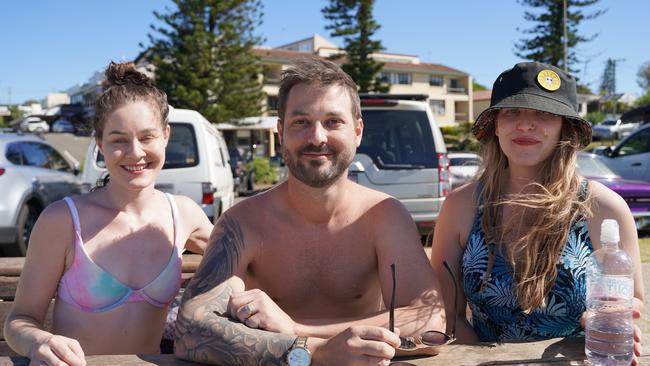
(541, 217)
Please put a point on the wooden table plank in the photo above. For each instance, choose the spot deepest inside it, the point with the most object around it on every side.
(12, 266)
(8, 287)
(554, 352)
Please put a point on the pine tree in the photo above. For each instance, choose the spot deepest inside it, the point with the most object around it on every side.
(352, 20)
(546, 44)
(203, 57)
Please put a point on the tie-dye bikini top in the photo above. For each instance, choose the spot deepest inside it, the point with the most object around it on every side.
(89, 287)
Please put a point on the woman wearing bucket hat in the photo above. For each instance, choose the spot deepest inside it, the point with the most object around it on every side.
(521, 234)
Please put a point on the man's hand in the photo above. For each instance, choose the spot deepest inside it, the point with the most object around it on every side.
(57, 350)
(358, 345)
(256, 309)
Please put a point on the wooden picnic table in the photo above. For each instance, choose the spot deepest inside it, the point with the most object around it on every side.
(556, 352)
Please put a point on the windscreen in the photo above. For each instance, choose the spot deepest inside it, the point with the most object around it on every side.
(398, 139)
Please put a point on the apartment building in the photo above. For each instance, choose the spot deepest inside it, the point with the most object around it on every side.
(449, 90)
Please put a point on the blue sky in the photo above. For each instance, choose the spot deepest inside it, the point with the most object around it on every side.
(53, 45)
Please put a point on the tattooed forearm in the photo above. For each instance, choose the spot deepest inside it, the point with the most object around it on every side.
(204, 333)
(221, 258)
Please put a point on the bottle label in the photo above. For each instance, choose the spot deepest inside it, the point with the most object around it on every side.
(610, 286)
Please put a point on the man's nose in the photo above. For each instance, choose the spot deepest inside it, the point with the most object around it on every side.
(317, 134)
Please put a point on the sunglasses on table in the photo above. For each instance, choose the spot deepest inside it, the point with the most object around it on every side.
(429, 338)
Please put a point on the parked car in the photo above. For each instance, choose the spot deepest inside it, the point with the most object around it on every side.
(33, 174)
(635, 193)
(631, 157)
(33, 124)
(63, 125)
(196, 163)
(403, 154)
(613, 129)
(463, 167)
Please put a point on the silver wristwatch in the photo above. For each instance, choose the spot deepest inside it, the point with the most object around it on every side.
(299, 354)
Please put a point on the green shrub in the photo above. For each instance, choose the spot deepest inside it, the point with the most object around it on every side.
(595, 117)
(263, 172)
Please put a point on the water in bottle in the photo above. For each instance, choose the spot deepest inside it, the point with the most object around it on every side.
(610, 291)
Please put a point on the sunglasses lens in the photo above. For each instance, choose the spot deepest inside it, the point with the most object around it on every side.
(433, 338)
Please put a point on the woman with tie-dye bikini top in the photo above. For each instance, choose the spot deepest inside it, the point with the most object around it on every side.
(519, 236)
(111, 258)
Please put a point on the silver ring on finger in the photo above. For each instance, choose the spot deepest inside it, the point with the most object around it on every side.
(252, 323)
(248, 310)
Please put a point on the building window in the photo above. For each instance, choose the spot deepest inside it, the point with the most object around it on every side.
(437, 106)
(403, 78)
(271, 103)
(384, 77)
(455, 86)
(436, 80)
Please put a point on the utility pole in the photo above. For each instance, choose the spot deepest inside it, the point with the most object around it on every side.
(566, 40)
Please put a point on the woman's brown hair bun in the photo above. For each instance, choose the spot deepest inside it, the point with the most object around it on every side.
(125, 73)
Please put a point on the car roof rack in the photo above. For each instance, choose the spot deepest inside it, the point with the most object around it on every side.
(418, 97)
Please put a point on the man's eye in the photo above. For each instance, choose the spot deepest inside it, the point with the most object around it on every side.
(299, 122)
(545, 115)
(147, 138)
(333, 122)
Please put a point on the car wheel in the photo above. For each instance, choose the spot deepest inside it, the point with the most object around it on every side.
(26, 220)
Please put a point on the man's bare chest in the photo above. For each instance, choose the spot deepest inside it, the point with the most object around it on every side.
(333, 273)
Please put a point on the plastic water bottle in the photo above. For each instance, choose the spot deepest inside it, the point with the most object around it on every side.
(610, 291)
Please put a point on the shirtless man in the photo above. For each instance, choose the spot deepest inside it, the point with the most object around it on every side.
(311, 257)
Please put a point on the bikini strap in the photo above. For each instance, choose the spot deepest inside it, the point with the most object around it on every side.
(176, 219)
(74, 213)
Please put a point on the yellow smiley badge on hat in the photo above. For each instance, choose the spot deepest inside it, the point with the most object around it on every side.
(549, 80)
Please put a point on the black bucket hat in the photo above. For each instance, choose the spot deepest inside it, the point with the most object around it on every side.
(537, 86)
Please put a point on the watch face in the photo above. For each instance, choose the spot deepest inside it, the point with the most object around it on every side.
(299, 357)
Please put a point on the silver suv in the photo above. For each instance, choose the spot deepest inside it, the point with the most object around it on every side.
(403, 154)
(32, 175)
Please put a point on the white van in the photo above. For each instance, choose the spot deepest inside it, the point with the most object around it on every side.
(196, 164)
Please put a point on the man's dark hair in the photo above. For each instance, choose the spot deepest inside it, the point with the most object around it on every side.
(322, 72)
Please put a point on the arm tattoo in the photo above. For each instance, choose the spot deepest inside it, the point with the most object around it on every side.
(204, 333)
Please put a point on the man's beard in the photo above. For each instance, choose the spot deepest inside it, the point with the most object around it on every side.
(309, 173)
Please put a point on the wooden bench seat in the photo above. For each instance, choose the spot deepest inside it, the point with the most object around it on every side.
(10, 269)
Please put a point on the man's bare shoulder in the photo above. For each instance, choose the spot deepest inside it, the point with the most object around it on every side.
(255, 207)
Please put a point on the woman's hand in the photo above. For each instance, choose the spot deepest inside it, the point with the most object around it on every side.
(57, 351)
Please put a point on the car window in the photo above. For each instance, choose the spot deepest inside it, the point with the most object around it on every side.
(14, 153)
(608, 123)
(400, 138)
(636, 144)
(181, 151)
(56, 161)
(35, 154)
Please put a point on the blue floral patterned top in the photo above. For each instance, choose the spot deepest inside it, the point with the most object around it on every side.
(496, 315)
